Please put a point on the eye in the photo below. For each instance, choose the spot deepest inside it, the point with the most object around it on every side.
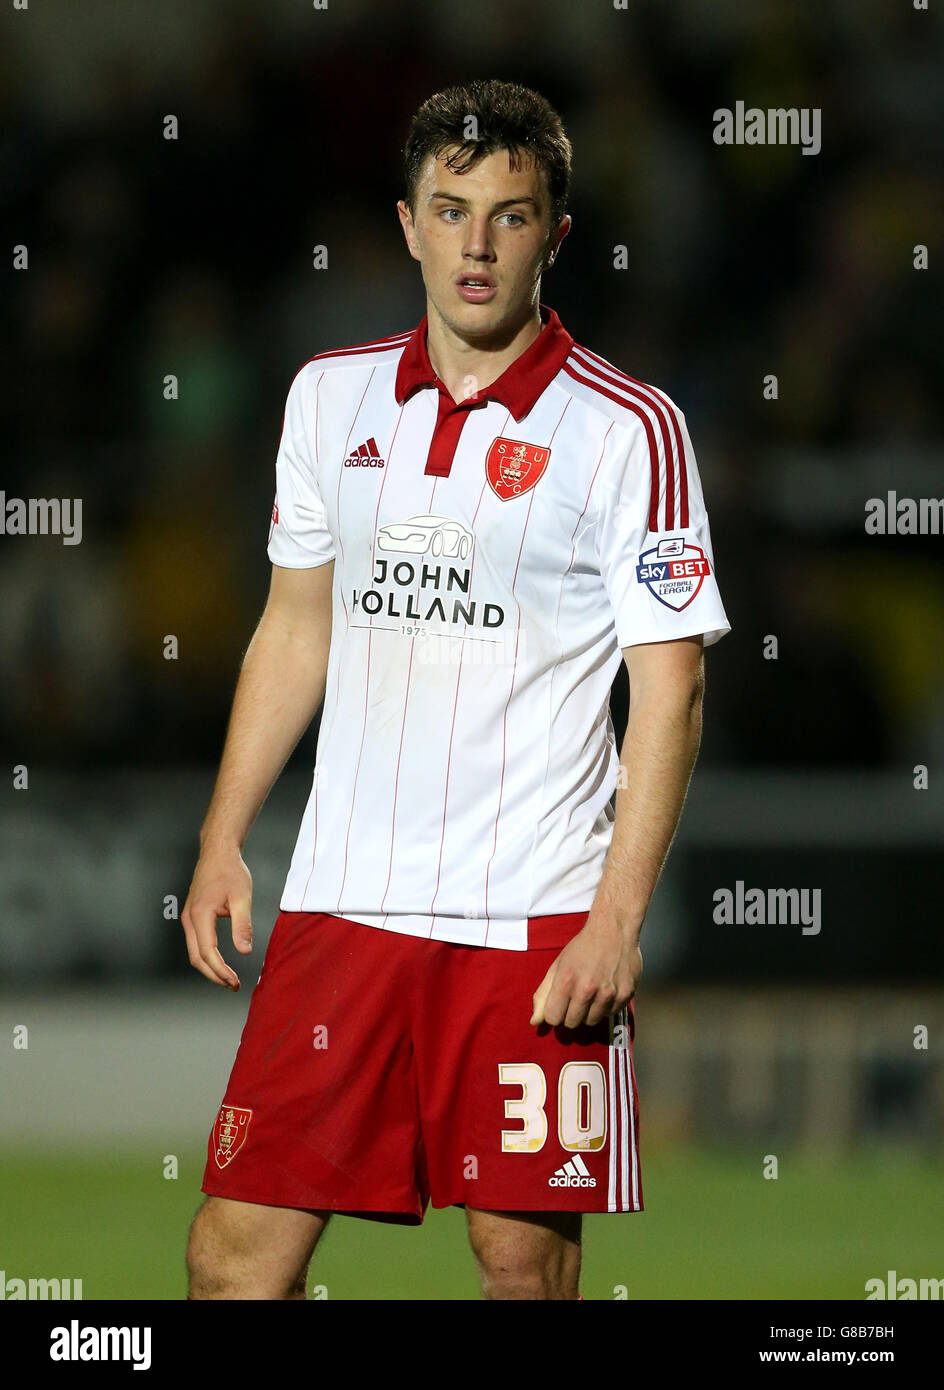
(519, 220)
(446, 211)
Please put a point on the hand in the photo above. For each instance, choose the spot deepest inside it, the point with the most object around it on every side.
(221, 887)
(595, 975)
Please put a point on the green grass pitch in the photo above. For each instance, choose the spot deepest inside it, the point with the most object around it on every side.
(713, 1228)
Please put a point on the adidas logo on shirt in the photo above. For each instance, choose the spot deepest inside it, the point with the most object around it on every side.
(575, 1173)
(366, 456)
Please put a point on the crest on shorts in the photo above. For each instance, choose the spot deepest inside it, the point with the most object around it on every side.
(513, 468)
(229, 1133)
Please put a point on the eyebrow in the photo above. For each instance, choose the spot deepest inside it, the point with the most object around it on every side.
(507, 203)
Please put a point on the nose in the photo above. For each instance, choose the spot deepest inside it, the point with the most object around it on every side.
(478, 242)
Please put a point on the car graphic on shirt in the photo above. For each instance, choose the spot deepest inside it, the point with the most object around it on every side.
(438, 535)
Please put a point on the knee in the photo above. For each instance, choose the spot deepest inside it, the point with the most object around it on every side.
(213, 1252)
(224, 1258)
(509, 1273)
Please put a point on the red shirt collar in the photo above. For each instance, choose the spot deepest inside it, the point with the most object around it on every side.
(519, 385)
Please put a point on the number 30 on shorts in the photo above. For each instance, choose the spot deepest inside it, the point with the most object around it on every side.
(581, 1106)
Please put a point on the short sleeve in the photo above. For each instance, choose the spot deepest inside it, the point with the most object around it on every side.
(299, 537)
(653, 540)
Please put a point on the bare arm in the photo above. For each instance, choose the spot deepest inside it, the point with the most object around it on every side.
(656, 760)
(598, 970)
(281, 686)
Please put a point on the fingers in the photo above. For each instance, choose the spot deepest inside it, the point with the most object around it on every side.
(558, 1001)
(582, 1004)
(602, 1005)
(567, 1003)
(561, 1002)
(240, 918)
(540, 996)
(199, 925)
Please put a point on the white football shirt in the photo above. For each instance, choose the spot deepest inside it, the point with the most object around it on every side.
(492, 558)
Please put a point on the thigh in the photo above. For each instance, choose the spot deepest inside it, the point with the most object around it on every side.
(517, 1118)
(526, 1254)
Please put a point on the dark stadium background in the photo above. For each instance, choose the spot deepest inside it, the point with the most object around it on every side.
(194, 256)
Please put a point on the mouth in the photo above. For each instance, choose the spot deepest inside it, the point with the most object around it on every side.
(476, 288)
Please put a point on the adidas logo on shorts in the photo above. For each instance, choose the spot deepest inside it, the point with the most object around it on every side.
(575, 1173)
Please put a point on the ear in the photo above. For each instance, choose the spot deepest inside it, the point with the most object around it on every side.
(558, 237)
(409, 230)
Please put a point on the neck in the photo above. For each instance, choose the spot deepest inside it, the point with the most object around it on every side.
(466, 366)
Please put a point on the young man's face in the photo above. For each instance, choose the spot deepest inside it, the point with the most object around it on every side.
(491, 225)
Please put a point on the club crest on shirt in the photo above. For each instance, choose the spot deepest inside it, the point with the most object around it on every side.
(673, 571)
(229, 1133)
(513, 468)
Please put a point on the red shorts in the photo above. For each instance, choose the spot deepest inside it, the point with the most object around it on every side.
(377, 1071)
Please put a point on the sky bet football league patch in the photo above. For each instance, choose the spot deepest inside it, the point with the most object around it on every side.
(673, 571)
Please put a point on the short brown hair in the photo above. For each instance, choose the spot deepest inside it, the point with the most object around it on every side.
(507, 116)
